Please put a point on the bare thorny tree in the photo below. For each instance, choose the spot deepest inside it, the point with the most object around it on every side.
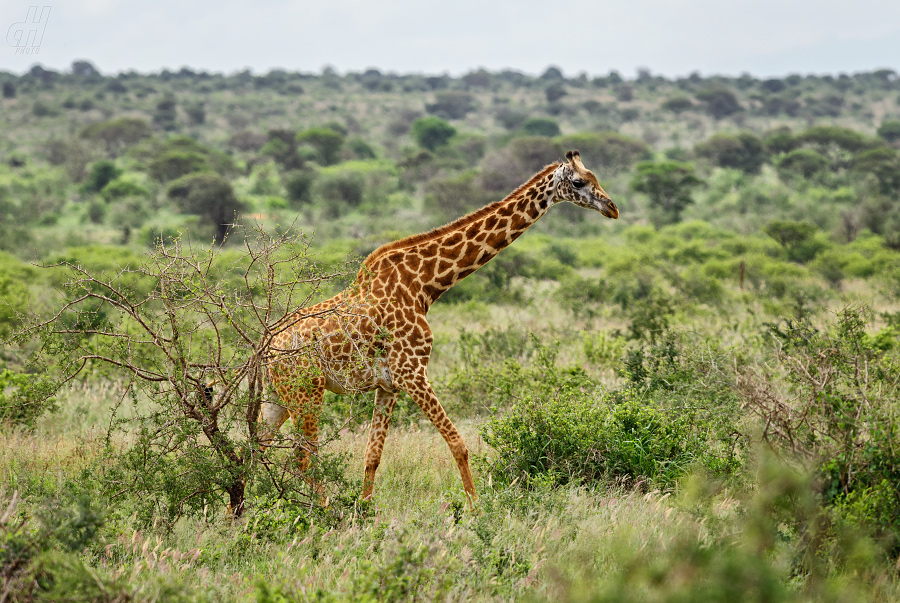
(190, 330)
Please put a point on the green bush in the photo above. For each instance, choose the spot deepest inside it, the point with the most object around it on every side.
(796, 238)
(210, 196)
(176, 163)
(743, 151)
(890, 130)
(654, 430)
(326, 141)
(606, 153)
(804, 163)
(102, 173)
(24, 397)
(541, 126)
(432, 132)
(15, 298)
(299, 187)
(840, 414)
(121, 188)
(668, 184)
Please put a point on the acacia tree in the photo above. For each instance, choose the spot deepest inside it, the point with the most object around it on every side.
(190, 334)
(210, 196)
(668, 184)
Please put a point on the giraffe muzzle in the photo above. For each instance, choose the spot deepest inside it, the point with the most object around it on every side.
(609, 209)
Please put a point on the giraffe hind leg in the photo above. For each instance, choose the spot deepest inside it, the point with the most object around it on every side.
(306, 420)
(418, 387)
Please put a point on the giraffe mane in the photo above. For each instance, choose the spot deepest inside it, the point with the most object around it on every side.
(459, 223)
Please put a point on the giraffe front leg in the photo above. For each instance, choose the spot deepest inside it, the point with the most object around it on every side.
(418, 387)
(381, 419)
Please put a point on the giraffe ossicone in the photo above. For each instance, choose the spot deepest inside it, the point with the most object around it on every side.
(374, 335)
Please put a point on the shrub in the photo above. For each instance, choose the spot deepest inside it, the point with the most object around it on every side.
(175, 163)
(668, 184)
(554, 92)
(719, 102)
(890, 130)
(121, 188)
(606, 152)
(432, 132)
(451, 104)
(678, 104)
(24, 397)
(209, 196)
(117, 134)
(455, 196)
(652, 432)
(540, 126)
(804, 163)
(839, 414)
(743, 151)
(102, 173)
(797, 239)
(511, 119)
(884, 164)
(343, 188)
(166, 112)
(825, 138)
(326, 141)
(299, 187)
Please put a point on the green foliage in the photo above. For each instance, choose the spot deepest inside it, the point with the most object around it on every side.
(678, 104)
(455, 195)
(606, 152)
(209, 196)
(166, 113)
(803, 163)
(571, 430)
(175, 163)
(451, 104)
(102, 173)
(24, 397)
(326, 141)
(15, 298)
(826, 138)
(843, 388)
(541, 126)
(719, 102)
(884, 164)
(299, 187)
(122, 188)
(797, 239)
(117, 134)
(743, 151)
(668, 184)
(432, 132)
(282, 147)
(890, 130)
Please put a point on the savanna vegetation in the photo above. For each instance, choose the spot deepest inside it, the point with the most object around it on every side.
(695, 402)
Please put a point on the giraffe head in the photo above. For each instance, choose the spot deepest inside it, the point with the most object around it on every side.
(577, 184)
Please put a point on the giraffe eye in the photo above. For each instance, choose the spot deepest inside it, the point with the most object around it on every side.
(578, 183)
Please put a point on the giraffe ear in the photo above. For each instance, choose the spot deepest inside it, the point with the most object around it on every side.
(574, 158)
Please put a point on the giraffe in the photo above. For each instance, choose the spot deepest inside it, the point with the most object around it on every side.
(375, 335)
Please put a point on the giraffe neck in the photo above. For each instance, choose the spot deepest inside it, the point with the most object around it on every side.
(427, 265)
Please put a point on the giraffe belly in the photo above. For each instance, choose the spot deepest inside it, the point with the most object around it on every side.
(360, 379)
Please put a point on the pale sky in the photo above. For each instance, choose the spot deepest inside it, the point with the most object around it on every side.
(669, 37)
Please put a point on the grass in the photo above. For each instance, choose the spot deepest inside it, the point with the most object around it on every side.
(417, 542)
